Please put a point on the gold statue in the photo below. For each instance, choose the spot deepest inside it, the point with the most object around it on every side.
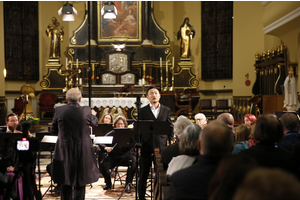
(56, 33)
(186, 33)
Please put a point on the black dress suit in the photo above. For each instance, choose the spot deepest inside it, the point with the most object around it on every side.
(192, 182)
(151, 142)
(74, 162)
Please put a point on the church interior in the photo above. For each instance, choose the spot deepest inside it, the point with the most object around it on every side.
(205, 57)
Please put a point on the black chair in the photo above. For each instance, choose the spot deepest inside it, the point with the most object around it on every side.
(205, 107)
(222, 106)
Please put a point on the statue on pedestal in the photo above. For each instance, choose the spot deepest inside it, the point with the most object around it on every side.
(56, 33)
(290, 102)
(186, 33)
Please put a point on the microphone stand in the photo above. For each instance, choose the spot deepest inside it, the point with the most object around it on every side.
(138, 145)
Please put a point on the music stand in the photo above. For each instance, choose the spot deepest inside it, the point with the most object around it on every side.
(49, 139)
(124, 137)
(102, 129)
(148, 128)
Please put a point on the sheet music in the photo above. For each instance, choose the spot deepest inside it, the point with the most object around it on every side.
(103, 140)
(49, 139)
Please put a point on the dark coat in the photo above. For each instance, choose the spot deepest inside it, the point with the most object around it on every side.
(74, 156)
(168, 153)
(289, 140)
(159, 141)
(192, 182)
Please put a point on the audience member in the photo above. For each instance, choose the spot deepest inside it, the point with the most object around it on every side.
(124, 156)
(229, 175)
(252, 141)
(192, 182)
(187, 148)
(107, 118)
(158, 112)
(201, 120)
(268, 130)
(228, 119)
(249, 119)
(74, 162)
(290, 130)
(172, 150)
(268, 184)
(242, 133)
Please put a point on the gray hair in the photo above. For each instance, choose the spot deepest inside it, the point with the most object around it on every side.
(73, 95)
(189, 139)
(180, 124)
(216, 139)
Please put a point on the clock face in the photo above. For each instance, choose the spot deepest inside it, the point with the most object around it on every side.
(118, 63)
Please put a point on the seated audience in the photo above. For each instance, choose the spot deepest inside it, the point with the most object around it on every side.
(214, 143)
(290, 130)
(242, 133)
(249, 119)
(229, 175)
(201, 120)
(124, 156)
(172, 150)
(187, 148)
(268, 130)
(252, 141)
(268, 184)
(228, 119)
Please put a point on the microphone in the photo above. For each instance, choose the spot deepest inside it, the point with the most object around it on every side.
(22, 96)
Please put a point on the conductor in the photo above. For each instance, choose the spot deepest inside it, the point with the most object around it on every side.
(74, 162)
(158, 112)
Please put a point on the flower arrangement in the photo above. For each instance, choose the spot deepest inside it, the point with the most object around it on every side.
(34, 121)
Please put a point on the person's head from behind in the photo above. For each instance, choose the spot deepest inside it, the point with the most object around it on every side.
(289, 122)
(249, 119)
(153, 95)
(11, 121)
(189, 139)
(242, 133)
(268, 128)
(226, 118)
(120, 122)
(73, 95)
(201, 120)
(215, 139)
(268, 184)
(181, 123)
(107, 118)
(229, 175)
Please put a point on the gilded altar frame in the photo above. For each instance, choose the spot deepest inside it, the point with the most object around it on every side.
(126, 27)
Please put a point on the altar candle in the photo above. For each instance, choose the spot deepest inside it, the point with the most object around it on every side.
(143, 81)
(160, 63)
(77, 63)
(80, 81)
(166, 67)
(66, 63)
(144, 67)
(173, 61)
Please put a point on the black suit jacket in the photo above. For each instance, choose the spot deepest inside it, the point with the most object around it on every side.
(74, 159)
(192, 182)
(154, 141)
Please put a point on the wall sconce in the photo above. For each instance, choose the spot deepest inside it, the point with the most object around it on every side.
(109, 10)
(68, 11)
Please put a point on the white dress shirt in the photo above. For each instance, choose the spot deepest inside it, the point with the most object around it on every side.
(155, 111)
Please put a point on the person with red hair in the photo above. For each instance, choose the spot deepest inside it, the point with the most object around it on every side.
(249, 119)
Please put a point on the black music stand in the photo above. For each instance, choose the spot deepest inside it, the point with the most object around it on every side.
(148, 128)
(102, 129)
(49, 139)
(125, 137)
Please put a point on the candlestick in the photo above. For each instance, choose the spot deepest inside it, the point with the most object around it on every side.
(144, 70)
(80, 81)
(143, 81)
(66, 63)
(77, 63)
(167, 77)
(161, 74)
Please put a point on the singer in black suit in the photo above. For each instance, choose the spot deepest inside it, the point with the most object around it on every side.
(158, 112)
(74, 162)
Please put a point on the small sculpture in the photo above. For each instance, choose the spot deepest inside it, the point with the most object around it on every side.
(56, 33)
(290, 102)
(186, 33)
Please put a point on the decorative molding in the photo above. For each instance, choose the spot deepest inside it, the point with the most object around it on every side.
(283, 20)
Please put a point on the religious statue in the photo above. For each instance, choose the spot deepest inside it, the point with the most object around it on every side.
(290, 102)
(56, 33)
(186, 33)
